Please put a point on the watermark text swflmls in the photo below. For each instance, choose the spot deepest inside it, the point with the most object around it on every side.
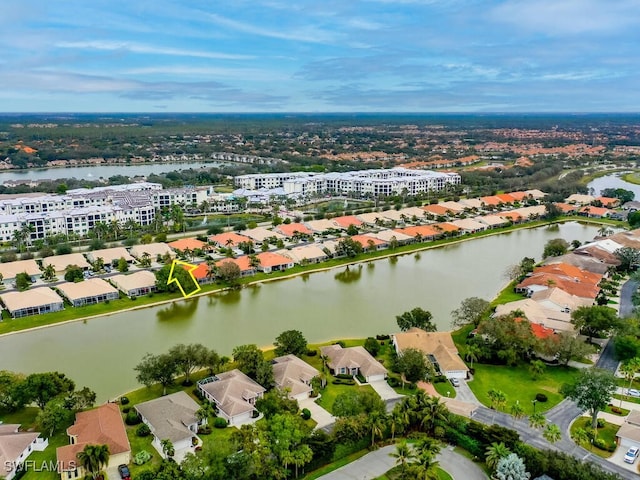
(38, 466)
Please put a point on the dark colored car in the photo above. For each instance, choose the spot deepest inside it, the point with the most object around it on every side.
(123, 470)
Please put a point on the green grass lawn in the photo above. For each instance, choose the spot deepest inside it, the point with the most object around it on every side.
(48, 457)
(624, 411)
(507, 295)
(330, 393)
(518, 385)
(607, 433)
(394, 474)
(445, 389)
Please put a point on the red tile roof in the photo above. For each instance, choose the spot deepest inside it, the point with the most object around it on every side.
(436, 209)
(444, 227)
(506, 198)
(365, 239)
(291, 229)
(566, 207)
(347, 220)
(491, 200)
(425, 231)
(242, 262)
(594, 211)
(518, 195)
(229, 239)
(187, 243)
(608, 201)
(270, 259)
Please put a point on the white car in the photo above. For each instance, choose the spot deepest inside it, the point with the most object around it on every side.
(633, 392)
(455, 382)
(631, 455)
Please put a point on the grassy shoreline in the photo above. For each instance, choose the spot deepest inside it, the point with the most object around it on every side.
(71, 314)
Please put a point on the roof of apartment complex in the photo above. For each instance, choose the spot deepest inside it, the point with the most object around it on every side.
(61, 262)
(152, 249)
(293, 374)
(11, 269)
(12, 443)
(169, 416)
(387, 235)
(32, 298)
(99, 426)
(88, 288)
(352, 357)
(109, 255)
(232, 390)
(133, 281)
(438, 344)
(469, 224)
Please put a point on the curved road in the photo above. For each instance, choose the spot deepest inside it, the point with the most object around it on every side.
(377, 463)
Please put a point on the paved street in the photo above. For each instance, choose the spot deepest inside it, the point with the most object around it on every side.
(376, 463)
(626, 292)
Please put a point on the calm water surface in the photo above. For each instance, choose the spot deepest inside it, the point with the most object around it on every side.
(354, 302)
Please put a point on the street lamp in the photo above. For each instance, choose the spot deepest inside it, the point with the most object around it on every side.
(534, 401)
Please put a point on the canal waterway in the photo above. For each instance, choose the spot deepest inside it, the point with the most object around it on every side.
(96, 172)
(358, 301)
(612, 181)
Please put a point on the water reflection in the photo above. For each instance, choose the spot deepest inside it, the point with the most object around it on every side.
(417, 256)
(393, 261)
(178, 311)
(229, 297)
(350, 274)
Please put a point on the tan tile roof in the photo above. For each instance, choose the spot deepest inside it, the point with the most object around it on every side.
(100, 426)
(61, 262)
(438, 344)
(88, 288)
(170, 416)
(293, 374)
(11, 269)
(232, 390)
(258, 234)
(141, 279)
(34, 297)
(351, 357)
(310, 252)
(153, 249)
(108, 255)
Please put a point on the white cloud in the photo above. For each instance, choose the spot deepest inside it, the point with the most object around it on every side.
(150, 49)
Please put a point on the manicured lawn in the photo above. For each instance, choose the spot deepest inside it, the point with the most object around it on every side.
(47, 457)
(445, 389)
(518, 385)
(625, 398)
(460, 337)
(607, 433)
(394, 474)
(507, 295)
(624, 411)
(330, 393)
(25, 417)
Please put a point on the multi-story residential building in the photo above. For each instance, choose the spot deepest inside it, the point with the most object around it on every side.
(380, 182)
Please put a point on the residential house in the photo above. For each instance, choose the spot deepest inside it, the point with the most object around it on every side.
(15, 448)
(322, 225)
(538, 314)
(60, 263)
(88, 292)
(35, 301)
(135, 284)
(229, 239)
(594, 212)
(153, 250)
(305, 254)
(189, 244)
(559, 300)
(372, 218)
(244, 262)
(387, 236)
(455, 207)
(294, 375)
(608, 202)
(567, 208)
(492, 221)
(580, 199)
(439, 348)
(346, 221)
(353, 361)
(370, 243)
(99, 426)
(437, 210)
(420, 232)
(9, 270)
(257, 235)
(293, 229)
(628, 434)
(110, 255)
(467, 225)
(234, 394)
(172, 417)
(273, 262)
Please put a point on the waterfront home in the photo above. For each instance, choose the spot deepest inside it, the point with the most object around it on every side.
(420, 232)
(467, 225)
(628, 434)
(228, 239)
(294, 375)
(580, 199)
(88, 292)
(273, 262)
(135, 284)
(244, 262)
(15, 448)
(370, 243)
(559, 300)
(584, 262)
(61, 262)
(455, 207)
(293, 229)
(153, 250)
(172, 417)
(9, 270)
(492, 221)
(538, 314)
(567, 208)
(437, 346)
(346, 221)
(234, 394)
(446, 228)
(572, 280)
(594, 212)
(305, 254)
(531, 212)
(35, 301)
(99, 426)
(353, 361)
(110, 255)
(387, 236)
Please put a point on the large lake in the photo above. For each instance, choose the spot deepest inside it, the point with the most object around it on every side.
(339, 303)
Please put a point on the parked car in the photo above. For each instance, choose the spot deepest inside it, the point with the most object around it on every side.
(455, 382)
(631, 455)
(633, 392)
(123, 470)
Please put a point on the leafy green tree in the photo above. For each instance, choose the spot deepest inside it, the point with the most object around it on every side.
(41, 388)
(93, 458)
(251, 361)
(404, 456)
(552, 433)
(592, 391)
(416, 317)
(162, 279)
(413, 365)
(564, 346)
(355, 402)
(23, 281)
(347, 247)
(229, 272)
(160, 369)
(353, 230)
(276, 401)
(74, 273)
(123, 265)
(291, 342)
(634, 219)
(54, 417)
(629, 369)
(537, 420)
(189, 358)
(498, 398)
(555, 248)
(595, 320)
(537, 369)
(471, 310)
(511, 468)
(620, 193)
(372, 346)
(507, 337)
(167, 447)
(494, 453)
(629, 258)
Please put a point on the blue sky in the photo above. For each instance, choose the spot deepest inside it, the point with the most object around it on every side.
(320, 56)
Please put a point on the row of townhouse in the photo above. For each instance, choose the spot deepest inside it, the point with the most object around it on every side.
(379, 182)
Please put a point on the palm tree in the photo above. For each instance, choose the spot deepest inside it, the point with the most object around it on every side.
(49, 273)
(629, 369)
(396, 423)
(433, 412)
(324, 359)
(552, 433)
(427, 446)
(425, 468)
(167, 448)
(537, 369)
(580, 436)
(537, 420)
(205, 412)
(93, 458)
(497, 397)
(517, 411)
(403, 455)
(377, 424)
(473, 354)
(495, 453)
